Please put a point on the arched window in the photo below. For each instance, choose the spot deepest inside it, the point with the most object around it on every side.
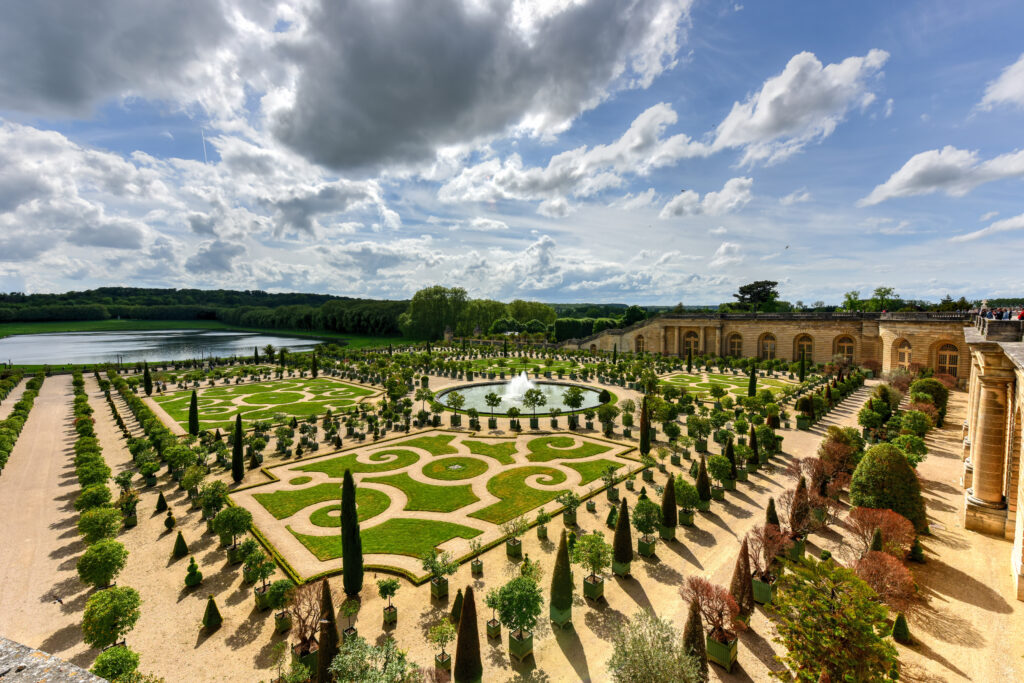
(638, 343)
(804, 347)
(949, 359)
(593, 348)
(690, 343)
(735, 345)
(844, 347)
(767, 346)
(903, 355)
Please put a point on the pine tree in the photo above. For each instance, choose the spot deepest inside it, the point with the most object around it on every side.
(468, 666)
(314, 368)
(622, 544)
(752, 385)
(328, 637)
(730, 455)
(703, 481)
(193, 415)
(693, 641)
(901, 631)
(211, 618)
(161, 503)
(669, 511)
(645, 428)
(876, 540)
(180, 547)
(742, 586)
(237, 464)
(351, 543)
(147, 380)
(561, 577)
(770, 515)
(456, 612)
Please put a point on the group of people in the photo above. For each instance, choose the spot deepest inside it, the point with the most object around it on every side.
(1002, 314)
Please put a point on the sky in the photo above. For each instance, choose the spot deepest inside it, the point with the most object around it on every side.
(629, 151)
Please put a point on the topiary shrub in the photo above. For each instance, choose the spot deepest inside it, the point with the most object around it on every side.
(885, 479)
(194, 577)
(900, 630)
(180, 547)
(116, 664)
(211, 618)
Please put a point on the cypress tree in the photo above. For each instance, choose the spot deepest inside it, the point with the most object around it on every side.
(615, 355)
(211, 618)
(314, 368)
(669, 511)
(770, 515)
(351, 544)
(613, 515)
(703, 481)
(803, 366)
(689, 360)
(161, 503)
(900, 630)
(328, 638)
(193, 415)
(876, 540)
(693, 641)
(456, 612)
(147, 379)
(468, 666)
(916, 551)
(237, 464)
(180, 547)
(730, 455)
(742, 586)
(622, 544)
(752, 385)
(281, 356)
(645, 428)
(561, 577)
(753, 444)
(801, 506)
(255, 355)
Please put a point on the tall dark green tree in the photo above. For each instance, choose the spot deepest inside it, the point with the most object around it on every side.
(237, 461)
(147, 379)
(193, 415)
(561, 578)
(756, 293)
(752, 384)
(742, 587)
(730, 455)
(351, 543)
(645, 427)
(693, 640)
(255, 355)
(669, 511)
(803, 365)
(622, 544)
(314, 367)
(282, 356)
(770, 514)
(703, 481)
(468, 666)
(689, 360)
(753, 443)
(328, 636)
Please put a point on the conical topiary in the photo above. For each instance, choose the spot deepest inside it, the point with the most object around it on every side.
(916, 551)
(742, 586)
(622, 544)
(669, 510)
(169, 520)
(456, 612)
(468, 666)
(193, 415)
(561, 577)
(211, 618)
(328, 634)
(755, 454)
(876, 540)
(703, 481)
(237, 463)
(645, 428)
(180, 547)
(351, 542)
(752, 384)
(194, 577)
(693, 641)
(161, 503)
(613, 514)
(254, 462)
(900, 630)
(571, 540)
(770, 515)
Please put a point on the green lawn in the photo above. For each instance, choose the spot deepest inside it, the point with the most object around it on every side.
(369, 504)
(335, 467)
(516, 497)
(545, 448)
(428, 497)
(592, 470)
(435, 445)
(286, 503)
(400, 536)
(454, 469)
(501, 451)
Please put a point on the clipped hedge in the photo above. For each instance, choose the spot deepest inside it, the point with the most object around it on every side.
(10, 428)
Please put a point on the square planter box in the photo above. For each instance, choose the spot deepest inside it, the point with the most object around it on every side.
(741, 475)
(439, 588)
(591, 506)
(686, 517)
(235, 554)
(492, 423)
(391, 615)
(542, 532)
(443, 662)
(282, 622)
(704, 505)
(612, 494)
(520, 647)
(629, 485)
(722, 654)
(620, 568)
(514, 548)
(729, 485)
(309, 660)
(262, 599)
(560, 617)
(717, 493)
(675, 460)
(667, 533)
(493, 628)
(646, 548)
(593, 589)
(569, 517)
(752, 467)
(763, 592)
(476, 567)
(803, 422)
(648, 476)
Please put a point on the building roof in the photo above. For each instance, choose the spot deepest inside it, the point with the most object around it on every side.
(21, 664)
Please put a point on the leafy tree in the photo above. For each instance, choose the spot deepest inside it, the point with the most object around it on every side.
(99, 523)
(109, 615)
(116, 664)
(593, 552)
(259, 567)
(884, 479)
(647, 649)
(386, 588)
(233, 522)
(431, 311)
(468, 666)
(441, 634)
(830, 622)
(237, 462)
(351, 542)
(101, 562)
(193, 415)
(646, 516)
(519, 602)
(756, 293)
(358, 660)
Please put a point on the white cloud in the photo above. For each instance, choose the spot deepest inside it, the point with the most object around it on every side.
(796, 197)
(988, 216)
(953, 171)
(1007, 89)
(636, 201)
(720, 230)
(727, 254)
(1005, 225)
(480, 224)
(888, 108)
(215, 257)
(733, 196)
(804, 103)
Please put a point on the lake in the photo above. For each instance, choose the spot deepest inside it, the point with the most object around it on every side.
(60, 348)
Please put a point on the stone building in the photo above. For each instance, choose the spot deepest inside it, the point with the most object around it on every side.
(993, 446)
(933, 340)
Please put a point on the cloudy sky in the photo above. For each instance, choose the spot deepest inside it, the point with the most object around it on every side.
(640, 151)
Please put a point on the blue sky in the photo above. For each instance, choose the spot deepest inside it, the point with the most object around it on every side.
(640, 151)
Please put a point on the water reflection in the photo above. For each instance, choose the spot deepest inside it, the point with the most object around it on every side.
(152, 345)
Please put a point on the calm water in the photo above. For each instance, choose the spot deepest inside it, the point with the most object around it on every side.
(512, 396)
(153, 345)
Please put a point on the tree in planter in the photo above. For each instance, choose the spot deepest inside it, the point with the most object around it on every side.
(439, 565)
(741, 588)
(646, 518)
(622, 543)
(233, 522)
(830, 624)
(543, 517)
(468, 666)
(513, 414)
(686, 497)
(571, 502)
(720, 468)
(258, 567)
(717, 608)
(213, 496)
(440, 635)
(647, 649)
(455, 401)
(109, 615)
(595, 554)
(519, 603)
(304, 609)
(607, 414)
(351, 541)
(102, 562)
(703, 482)
(99, 523)
(573, 398)
(669, 512)
(193, 415)
(237, 462)
(328, 632)
(561, 585)
(884, 479)
(645, 427)
(493, 400)
(386, 589)
(765, 543)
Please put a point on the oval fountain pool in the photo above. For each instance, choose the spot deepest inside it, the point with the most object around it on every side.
(512, 393)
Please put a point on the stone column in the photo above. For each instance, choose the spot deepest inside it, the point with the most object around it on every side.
(718, 341)
(988, 444)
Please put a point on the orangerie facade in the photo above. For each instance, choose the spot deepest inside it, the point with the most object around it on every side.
(985, 356)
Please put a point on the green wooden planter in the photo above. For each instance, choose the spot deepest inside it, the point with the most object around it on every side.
(439, 588)
(561, 617)
(521, 647)
(262, 599)
(493, 628)
(701, 445)
(723, 654)
(667, 533)
(803, 422)
(796, 551)
(349, 632)
(131, 520)
(476, 567)
(675, 460)
(613, 494)
(443, 661)
(717, 493)
(763, 457)
(569, 517)
(235, 554)
(630, 485)
(621, 568)
(648, 476)
(591, 506)
(764, 592)
(514, 548)
(151, 480)
(741, 475)
(282, 622)
(704, 505)
(729, 484)
(686, 517)
(593, 589)
(391, 615)
(309, 660)
(646, 548)
(752, 467)
(542, 532)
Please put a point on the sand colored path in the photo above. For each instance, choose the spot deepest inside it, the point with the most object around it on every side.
(8, 403)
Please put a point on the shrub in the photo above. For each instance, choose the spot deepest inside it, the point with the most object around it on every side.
(900, 630)
(211, 617)
(884, 479)
(109, 615)
(115, 664)
(101, 562)
(887, 577)
(99, 523)
(194, 577)
(916, 422)
(647, 649)
(180, 547)
(897, 531)
(93, 496)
